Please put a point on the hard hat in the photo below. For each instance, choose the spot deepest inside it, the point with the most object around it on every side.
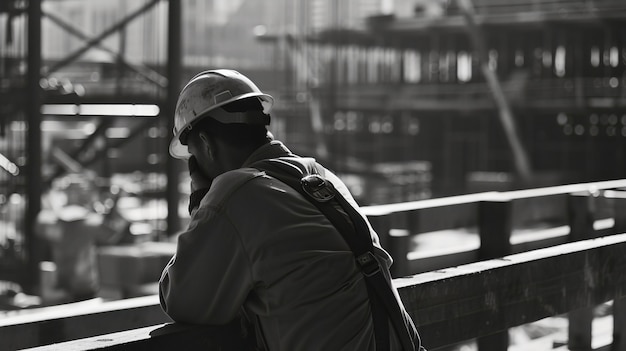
(205, 94)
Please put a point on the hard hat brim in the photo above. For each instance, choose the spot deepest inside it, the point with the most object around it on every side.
(178, 150)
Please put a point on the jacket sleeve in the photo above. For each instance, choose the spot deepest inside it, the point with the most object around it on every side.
(209, 277)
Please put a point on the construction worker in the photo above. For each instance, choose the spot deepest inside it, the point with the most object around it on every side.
(255, 246)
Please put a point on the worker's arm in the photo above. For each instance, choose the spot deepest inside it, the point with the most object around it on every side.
(208, 279)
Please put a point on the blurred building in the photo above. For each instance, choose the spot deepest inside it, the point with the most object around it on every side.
(492, 95)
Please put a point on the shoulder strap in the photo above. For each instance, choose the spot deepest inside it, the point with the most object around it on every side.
(355, 231)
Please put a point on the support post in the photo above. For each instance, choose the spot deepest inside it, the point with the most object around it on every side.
(494, 227)
(33, 145)
(174, 70)
(619, 325)
(581, 217)
(619, 209)
(579, 329)
(394, 237)
(381, 225)
(619, 304)
(399, 241)
(581, 213)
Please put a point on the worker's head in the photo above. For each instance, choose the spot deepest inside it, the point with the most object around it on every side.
(219, 109)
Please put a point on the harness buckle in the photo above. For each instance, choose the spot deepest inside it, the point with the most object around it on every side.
(318, 188)
(368, 263)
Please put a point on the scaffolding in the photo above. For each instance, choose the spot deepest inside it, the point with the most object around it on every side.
(29, 92)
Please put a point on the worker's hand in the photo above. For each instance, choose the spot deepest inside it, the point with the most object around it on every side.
(198, 179)
(200, 184)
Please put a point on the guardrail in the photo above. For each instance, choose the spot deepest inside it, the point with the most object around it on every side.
(497, 221)
(577, 209)
(480, 299)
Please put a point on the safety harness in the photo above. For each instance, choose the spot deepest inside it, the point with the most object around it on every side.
(355, 231)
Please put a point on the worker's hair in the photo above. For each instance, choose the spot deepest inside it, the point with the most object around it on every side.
(238, 134)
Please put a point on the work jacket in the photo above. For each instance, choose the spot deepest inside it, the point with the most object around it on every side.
(254, 242)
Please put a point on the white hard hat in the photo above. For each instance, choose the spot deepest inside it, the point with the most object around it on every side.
(205, 94)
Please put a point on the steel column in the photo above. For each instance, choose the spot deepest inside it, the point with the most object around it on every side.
(33, 145)
(174, 71)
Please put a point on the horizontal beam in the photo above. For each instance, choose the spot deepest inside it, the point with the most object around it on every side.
(161, 337)
(102, 110)
(79, 320)
(483, 298)
(520, 17)
(130, 98)
(468, 101)
(382, 210)
(450, 305)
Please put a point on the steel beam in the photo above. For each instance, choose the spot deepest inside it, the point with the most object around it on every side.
(146, 72)
(95, 41)
(88, 142)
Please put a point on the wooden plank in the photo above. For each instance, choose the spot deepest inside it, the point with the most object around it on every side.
(79, 320)
(482, 298)
(162, 337)
(134, 336)
(380, 210)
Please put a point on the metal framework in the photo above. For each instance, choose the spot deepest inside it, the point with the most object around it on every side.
(35, 97)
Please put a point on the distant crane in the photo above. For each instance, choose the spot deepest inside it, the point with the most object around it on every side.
(522, 165)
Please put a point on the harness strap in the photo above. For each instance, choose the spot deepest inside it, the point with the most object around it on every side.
(356, 232)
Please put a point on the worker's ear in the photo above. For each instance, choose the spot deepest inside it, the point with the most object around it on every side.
(209, 144)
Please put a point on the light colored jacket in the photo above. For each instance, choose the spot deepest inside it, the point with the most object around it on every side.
(256, 242)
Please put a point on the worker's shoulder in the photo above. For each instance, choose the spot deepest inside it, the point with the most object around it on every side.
(230, 182)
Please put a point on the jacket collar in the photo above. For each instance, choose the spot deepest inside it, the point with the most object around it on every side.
(273, 149)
